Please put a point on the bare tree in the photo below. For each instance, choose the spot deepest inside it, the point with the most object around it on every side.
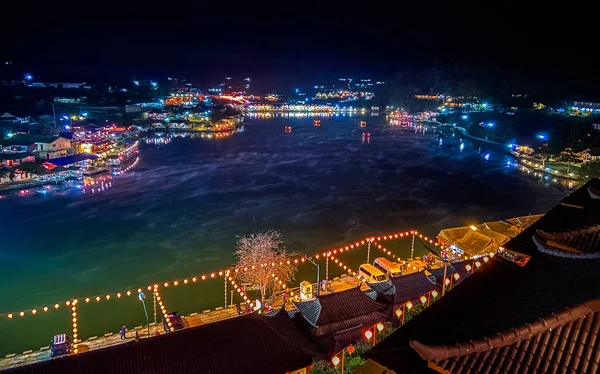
(263, 261)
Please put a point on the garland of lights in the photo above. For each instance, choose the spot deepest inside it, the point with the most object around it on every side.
(220, 273)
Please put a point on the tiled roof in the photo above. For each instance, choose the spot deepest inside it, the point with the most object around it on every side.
(337, 306)
(247, 344)
(15, 156)
(502, 295)
(412, 286)
(566, 341)
(438, 273)
(586, 240)
(365, 320)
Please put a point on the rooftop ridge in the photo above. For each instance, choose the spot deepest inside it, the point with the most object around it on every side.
(567, 234)
(565, 251)
(502, 339)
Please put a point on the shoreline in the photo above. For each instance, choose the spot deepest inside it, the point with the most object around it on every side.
(461, 131)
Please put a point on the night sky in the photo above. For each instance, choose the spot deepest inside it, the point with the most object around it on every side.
(289, 40)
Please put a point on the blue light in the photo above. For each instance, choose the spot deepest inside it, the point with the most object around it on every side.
(487, 157)
(465, 117)
(28, 77)
(297, 90)
(511, 145)
(541, 136)
(490, 124)
(154, 84)
(137, 83)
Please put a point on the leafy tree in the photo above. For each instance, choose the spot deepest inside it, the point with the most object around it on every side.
(416, 309)
(257, 253)
(352, 363)
(322, 367)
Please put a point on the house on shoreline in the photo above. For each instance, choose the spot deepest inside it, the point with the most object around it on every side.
(44, 147)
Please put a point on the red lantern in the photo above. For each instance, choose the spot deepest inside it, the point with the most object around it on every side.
(351, 349)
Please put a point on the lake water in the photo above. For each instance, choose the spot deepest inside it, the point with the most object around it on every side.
(178, 212)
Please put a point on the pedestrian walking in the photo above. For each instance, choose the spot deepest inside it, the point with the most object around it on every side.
(239, 309)
(123, 331)
(137, 336)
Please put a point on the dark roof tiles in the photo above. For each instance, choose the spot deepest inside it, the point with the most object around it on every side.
(338, 306)
(247, 344)
(567, 339)
(412, 286)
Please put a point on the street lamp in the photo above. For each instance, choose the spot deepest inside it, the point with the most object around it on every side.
(318, 273)
(141, 296)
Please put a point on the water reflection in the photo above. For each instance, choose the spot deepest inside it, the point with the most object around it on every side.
(490, 153)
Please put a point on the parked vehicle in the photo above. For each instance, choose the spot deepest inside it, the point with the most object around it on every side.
(175, 320)
(388, 267)
(371, 274)
(60, 345)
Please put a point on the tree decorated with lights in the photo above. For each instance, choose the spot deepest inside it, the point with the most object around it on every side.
(264, 261)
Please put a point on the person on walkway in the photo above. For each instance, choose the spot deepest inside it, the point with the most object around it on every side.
(239, 309)
(137, 336)
(123, 331)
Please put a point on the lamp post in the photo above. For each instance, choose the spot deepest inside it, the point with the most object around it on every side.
(318, 273)
(141, 296)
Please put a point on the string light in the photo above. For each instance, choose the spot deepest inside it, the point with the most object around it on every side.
(347, 247)
(75, 339)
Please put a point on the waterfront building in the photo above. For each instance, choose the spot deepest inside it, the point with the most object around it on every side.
(11, 159)
(475, 240)
(534, 308)
(44, 147)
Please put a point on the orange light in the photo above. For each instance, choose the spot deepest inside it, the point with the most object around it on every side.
(185, 281)
(351, 349)
(10, 316)
(97, 298)
(486, 259)
(34, 311)
(55, 306)
(119, 295)
(194, 279)
(335, 360)
(409, 305)
(468, 267)
(175, 283)
(368, 334)
(45, 309)
(423, 299)
(68, 303)
(139, 290)
(380, 326)
(478, 264)
(447, 281)
(212, 275)
(398, 313)
(107, 297)
(434, 293)
(456, 276)
(128, 293)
